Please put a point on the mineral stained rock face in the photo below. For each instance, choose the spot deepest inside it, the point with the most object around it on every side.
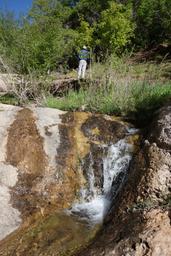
(40, 173)
(140, 222)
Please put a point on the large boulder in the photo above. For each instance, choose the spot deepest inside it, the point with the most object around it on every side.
(42, 152)
(162, 131)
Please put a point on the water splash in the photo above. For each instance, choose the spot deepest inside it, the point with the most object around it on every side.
(115, 163)
(94, 203)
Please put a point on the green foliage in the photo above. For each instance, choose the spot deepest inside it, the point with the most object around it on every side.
(91, 10)
(46, 50)
(54, 30)
(8, 99)
(115, 27)
(119, 88)
(8, 35)
(85, 34)
(43, 41)
(153, 18)
(52, 43)
(73, 101)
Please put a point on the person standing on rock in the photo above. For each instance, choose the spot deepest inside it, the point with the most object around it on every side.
(83, 58)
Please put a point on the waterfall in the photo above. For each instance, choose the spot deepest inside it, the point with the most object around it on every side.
(95, 202)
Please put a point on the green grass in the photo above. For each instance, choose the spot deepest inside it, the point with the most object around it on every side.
(116, 87)
(8, 99)
(138, 99)
(73, 101)
(119, 87)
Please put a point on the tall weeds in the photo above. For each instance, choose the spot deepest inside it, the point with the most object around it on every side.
(116, 86)
(120, 87)
(23, 88)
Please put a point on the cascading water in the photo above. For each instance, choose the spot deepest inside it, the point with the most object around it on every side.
(95, 202)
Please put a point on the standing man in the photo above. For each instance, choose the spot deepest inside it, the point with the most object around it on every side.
(83, 57)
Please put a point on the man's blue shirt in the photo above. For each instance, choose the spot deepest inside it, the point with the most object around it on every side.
(84, 54)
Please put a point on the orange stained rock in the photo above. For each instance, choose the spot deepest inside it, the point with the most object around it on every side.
(82, 145)
(25, 145)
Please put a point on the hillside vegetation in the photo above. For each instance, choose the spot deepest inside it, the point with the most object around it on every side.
(54, 30)
(129, 42)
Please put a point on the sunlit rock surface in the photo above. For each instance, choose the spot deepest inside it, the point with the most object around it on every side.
(9, 216)
(44, 154)
(162, 133)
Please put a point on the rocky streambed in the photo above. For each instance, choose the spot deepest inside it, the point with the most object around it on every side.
(140, 222)
(60, 172)
(78, 180)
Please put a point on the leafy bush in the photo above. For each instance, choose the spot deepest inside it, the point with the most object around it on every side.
(54, 31)
(153, 22)
(115, 28)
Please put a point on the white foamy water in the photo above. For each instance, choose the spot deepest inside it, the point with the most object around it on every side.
(117, 161)
(93, 211)
(94, 203)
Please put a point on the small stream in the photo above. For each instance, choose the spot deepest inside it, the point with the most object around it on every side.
(85, 157)
(95, 202)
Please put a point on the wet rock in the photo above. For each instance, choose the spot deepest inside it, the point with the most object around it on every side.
(139, 222)
(108, 130)
(44, 151)
(94, 161)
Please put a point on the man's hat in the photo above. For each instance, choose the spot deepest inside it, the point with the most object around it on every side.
(84, 47)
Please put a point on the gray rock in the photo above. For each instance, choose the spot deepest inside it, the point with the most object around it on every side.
(161, 128)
